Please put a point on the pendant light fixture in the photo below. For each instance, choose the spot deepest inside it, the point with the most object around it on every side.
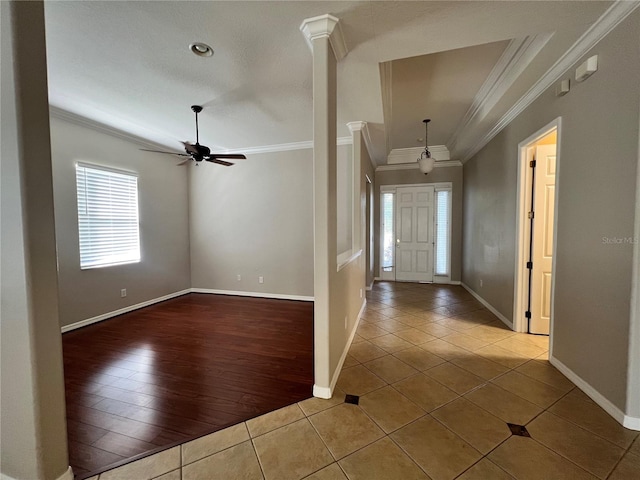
(426, 162)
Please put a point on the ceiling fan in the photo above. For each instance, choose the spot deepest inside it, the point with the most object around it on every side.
(197, 153)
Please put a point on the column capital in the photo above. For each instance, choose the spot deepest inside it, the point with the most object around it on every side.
(354, 126)
(325, 26)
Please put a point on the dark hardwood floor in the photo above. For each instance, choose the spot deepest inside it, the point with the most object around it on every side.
(180, 369)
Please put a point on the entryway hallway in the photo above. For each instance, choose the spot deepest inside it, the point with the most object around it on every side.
(441, 389)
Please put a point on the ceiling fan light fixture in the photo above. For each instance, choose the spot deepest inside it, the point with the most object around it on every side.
(201, 49)
(426, 162)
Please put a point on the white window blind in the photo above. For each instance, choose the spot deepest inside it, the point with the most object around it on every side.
(388, 252)
(443, 228)
(107, 217)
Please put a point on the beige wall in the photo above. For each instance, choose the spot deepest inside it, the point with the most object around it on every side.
(596, 199)
(164, 224)
(347, 286)
(414, 176)
(254, 219)
(33, 433)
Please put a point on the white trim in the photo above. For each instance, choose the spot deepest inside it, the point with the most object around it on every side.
(615, 14)
(325, 26)
(283, 147)
(279, 296)
(516, 57)
(368, 288)
(115, 313)
(346, 258)
(79, 120)
(520, 292)
(435, 185)
(363, 127)
(414, 165)
(130, 308)
(75, 119)
(67, 475)
(633, 373)
(488, 306)
(411, 154)
(632, 423)
(322, 392)
(336, 373)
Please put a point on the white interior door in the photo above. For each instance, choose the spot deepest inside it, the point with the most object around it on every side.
(414, 234)
(544, 201)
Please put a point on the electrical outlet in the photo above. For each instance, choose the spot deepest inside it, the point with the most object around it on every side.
(239, 278)
(480, 283)
(360, 293)
(123, 293)
(346, 322)
(260, 279)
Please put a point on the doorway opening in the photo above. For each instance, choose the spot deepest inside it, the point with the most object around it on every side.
(538, 164)
(415, 233)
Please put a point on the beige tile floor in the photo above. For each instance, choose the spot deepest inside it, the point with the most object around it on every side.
(438, 378)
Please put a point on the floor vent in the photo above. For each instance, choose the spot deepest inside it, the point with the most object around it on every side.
(353, 399)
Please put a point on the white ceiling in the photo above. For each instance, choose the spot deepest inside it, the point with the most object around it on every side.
(127, 65)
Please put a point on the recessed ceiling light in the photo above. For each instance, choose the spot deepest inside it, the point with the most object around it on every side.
(201, 49)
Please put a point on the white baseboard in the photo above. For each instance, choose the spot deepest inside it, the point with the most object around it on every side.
(368, 288)
(67, 475)
(632, 423)
(130, 308)
(455, 282)
(322, 392)
(488, 306)
(278, 296)
(345, 352)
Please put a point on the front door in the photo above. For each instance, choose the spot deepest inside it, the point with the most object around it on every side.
(542, 251)
(414, 234)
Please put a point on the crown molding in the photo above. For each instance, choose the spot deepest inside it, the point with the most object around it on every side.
(610, 19)
(283, 147)
(74, 118)
(414, 165)
(325, 26)
(410, 155)
(516, 57)
(81, 121)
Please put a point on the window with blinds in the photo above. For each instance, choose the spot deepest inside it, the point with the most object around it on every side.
(388, 245)
(107, 217)
(443, 231)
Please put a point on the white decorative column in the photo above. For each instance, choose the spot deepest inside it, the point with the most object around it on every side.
(324, 36)
(34, 439)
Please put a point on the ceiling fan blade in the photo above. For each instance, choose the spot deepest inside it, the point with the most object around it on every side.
(166, 153)
(190, 147)
(236, 156)
(219, 162)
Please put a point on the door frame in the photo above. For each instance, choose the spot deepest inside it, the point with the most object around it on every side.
(521, 274)
(439, 279)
